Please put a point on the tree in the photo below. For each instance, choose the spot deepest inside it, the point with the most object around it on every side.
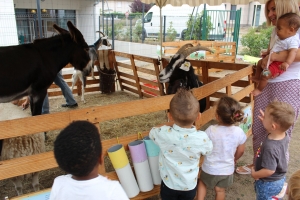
(255, 41)
(197, 31)
(137, 6)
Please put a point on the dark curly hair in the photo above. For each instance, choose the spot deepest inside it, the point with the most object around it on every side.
(229, 110)
(77, 148)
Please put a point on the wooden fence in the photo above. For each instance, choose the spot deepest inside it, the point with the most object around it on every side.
(239, 77)
(223, 51)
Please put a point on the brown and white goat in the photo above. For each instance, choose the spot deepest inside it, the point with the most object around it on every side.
(93, 49)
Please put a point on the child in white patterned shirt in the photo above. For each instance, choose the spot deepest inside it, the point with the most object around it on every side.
(181, 146)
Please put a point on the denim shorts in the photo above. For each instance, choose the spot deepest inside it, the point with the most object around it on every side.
(265, 190)
(168, 194)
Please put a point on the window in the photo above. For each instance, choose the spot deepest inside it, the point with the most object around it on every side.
(232, 12)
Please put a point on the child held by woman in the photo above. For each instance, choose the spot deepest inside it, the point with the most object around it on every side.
(287, 39)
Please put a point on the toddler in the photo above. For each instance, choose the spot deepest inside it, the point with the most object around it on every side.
(287, 39)
(78, 151)
(271, 164)
(181, 146)
(293, 190)
(228, 146)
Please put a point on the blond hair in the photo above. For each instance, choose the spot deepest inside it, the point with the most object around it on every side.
(282, 114)
(184, 107)
(294, 186)
(282, 7)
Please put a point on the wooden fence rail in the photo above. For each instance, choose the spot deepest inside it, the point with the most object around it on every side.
(98, 114)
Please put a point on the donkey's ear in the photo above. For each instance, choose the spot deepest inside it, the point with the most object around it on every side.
(75, 34)
(60, 30)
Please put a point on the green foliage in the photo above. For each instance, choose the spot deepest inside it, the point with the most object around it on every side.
(197, 31)
(137, 15)
(117, 30)
(171, 32)
(255, 41)
(137, 30)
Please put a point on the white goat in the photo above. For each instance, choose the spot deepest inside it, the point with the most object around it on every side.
(93, 56)
(20, 146)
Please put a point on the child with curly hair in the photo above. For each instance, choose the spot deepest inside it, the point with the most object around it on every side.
(78, 151)
(228, 146)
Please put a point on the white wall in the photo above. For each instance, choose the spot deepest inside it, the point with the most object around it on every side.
(49, 4)
(8, 35)
(116, 6)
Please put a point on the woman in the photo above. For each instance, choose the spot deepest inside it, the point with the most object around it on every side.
(285, 87)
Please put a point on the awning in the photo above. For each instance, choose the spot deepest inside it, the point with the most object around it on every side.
(162, 3)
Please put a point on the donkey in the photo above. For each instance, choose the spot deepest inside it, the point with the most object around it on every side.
(93, 56)
(30, 69)
(180, 73)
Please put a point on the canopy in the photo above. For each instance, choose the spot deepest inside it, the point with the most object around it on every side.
(162, 3)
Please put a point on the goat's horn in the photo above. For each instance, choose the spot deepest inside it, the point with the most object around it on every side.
(181, 50)
(187, 52)
(100, 33)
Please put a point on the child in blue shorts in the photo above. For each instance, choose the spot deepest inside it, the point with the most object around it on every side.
(271, 164)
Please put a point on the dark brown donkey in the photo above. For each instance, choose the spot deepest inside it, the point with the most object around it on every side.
(30, 69)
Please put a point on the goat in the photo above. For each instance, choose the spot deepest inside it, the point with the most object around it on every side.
(20, 146)
(93, 56)
(180, 73)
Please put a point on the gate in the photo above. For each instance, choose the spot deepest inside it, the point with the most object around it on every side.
(221, 25)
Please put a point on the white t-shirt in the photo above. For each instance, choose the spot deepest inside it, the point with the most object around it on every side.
(180, 151)
(225, 141)
(67, 188)
(293, 71)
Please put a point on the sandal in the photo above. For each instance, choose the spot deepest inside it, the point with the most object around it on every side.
(246, 169)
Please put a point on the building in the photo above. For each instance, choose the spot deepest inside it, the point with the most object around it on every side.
(19, 23)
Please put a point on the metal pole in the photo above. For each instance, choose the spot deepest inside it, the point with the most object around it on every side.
(38, 9)
(143, 33)
(160, 31)
(164, 28)
(112, 32)
(130, 29)
(103, 16)
(204, 26)
(194, 21)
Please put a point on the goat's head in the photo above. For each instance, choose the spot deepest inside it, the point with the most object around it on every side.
(179, 62)
(104, 40)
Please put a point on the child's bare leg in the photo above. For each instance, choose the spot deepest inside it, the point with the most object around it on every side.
(201, 191)
(261, 85)
(258, 71)
(220, 193)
